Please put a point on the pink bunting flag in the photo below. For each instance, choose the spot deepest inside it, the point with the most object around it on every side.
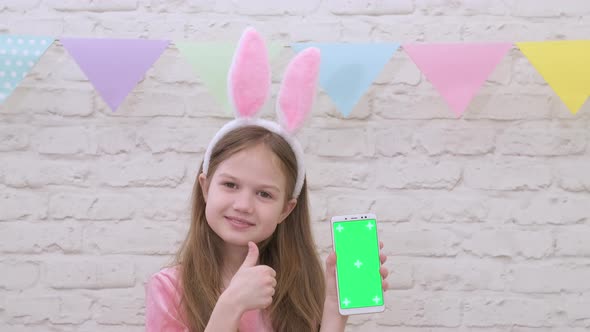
(457, 71)
(114, 66)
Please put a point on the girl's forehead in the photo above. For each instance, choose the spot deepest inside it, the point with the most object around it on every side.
(257, 164)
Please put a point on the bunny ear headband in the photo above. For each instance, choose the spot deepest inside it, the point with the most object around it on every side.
(249, 86)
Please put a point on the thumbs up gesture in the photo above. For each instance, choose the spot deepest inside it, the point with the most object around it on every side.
(253, 286)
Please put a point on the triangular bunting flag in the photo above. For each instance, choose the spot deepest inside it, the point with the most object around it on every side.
(114, 66)
(211, 62)
(347, 70)
(565, 65)
(457, 71)
(18, 54)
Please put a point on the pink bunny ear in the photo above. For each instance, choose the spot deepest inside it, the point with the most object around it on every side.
(249, 75)
(298, 89)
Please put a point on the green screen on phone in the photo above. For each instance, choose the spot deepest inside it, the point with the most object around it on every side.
(357, 263)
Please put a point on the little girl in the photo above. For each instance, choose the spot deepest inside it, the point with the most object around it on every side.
(249, 262)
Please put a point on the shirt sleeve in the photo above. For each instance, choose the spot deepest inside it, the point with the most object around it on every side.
(162, 304)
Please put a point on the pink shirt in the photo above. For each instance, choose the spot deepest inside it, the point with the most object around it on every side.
(162, 299)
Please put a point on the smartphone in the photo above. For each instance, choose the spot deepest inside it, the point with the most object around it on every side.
(359, 283)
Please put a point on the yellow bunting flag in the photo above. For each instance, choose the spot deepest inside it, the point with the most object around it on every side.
(565, 65)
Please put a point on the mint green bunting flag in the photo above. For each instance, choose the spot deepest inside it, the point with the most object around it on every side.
(211, 62)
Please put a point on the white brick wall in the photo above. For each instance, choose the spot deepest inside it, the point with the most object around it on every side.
(486, 218)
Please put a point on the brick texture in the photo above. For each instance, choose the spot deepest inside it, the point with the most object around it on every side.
(485, 219)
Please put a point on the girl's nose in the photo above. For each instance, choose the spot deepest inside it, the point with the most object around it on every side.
(243, 202)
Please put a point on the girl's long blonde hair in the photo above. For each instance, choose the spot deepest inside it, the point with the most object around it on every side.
(299, 295)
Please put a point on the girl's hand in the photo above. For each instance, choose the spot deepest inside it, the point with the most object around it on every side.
(331, 290)
(253, 286)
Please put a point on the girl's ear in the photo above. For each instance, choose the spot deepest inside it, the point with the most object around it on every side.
(204, 185)
(298, 89)
(249, 75)
(289, 206)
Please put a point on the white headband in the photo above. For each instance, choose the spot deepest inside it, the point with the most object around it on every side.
(249, 83)
(271, 126)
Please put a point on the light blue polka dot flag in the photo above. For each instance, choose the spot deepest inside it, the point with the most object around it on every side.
(18, 54)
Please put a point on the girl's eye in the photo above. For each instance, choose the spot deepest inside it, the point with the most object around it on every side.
(264, 194)
(230, 185)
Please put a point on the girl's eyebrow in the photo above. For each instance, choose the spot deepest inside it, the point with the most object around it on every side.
(266, 186)
(271, 187)
(227, 176)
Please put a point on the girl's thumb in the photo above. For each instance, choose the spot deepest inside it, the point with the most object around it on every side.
(252, 256)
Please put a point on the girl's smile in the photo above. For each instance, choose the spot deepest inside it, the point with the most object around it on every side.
(239, 223)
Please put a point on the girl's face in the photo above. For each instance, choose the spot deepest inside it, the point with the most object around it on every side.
(246, 196)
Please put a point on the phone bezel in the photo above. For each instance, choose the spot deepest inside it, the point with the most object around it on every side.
(362, 310)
